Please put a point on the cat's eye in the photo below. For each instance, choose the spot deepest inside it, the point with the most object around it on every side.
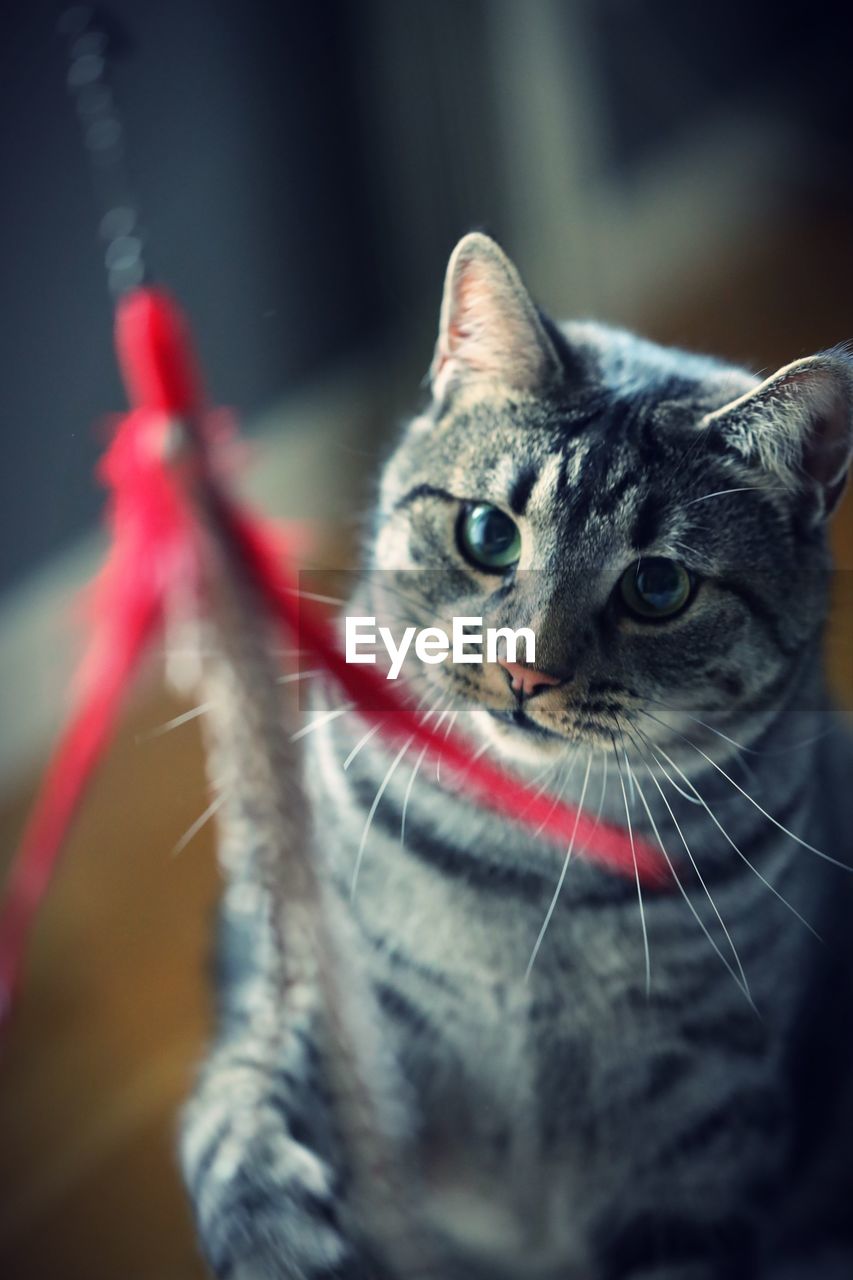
(488, 537)
(656, 587)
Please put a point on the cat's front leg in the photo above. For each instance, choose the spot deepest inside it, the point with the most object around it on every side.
(704, 1266)
(258, 1163)
(699, 1270)
(665, 1245)
(708, 1265)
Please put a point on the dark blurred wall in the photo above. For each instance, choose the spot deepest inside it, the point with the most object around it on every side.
(247, 153)
(303, 170)
(667, 66)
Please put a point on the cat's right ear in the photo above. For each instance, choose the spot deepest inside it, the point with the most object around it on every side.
(796, 427)
(490, 329)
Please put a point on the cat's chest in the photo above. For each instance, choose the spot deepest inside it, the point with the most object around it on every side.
(496, 1173)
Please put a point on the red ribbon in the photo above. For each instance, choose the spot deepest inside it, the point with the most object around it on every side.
(157, 555)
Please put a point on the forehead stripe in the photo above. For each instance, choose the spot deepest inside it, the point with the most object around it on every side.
(570, 468)
(647, 522)
(522, 486)
(423, 491)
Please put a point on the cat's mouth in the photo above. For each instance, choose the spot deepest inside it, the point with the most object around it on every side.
(519, 719)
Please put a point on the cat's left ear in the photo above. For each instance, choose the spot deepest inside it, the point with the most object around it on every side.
(797, 426)
(490, 329)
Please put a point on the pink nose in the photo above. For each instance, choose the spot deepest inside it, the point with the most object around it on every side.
(526, 680)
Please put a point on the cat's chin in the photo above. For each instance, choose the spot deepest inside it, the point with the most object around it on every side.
(517, 740)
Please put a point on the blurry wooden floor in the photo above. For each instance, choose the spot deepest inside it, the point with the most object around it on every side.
(116, 1007)
(116, 1010)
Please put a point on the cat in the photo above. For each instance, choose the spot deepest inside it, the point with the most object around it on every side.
(657, 1085)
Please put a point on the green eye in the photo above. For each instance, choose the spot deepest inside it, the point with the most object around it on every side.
(656, 587)
(488, 538)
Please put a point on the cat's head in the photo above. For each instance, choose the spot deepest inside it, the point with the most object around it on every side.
(657, 518)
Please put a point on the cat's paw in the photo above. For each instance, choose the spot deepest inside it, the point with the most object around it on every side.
(286, 1237)
(350, 1268)
(266, 1204)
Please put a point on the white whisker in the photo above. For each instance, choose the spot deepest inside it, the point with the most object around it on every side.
(293, 676)
(570, 768)
(658, 752)
(701, 879)
(604, 780)
(434, 708)
(646, 952)
(481, 751)
(718, 732)
(752, 751)
(441, 719)
(439, 722)
(553, 903)
(423, 698)
(546, 774)
(845, 866)
(447, 732)
(361, 742)
(321, 720)
(670, 707)
(631, 791)
(795, 746)
(312, 595)
(684, 795)
(721, 493)
(677, 542)
(183, 718)
(685, 895)
(215, 804)
(411, 783)
(376, 799)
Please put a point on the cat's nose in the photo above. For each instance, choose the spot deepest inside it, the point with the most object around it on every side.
(526, 681)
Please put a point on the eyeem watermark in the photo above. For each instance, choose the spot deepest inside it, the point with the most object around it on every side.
(467, 642)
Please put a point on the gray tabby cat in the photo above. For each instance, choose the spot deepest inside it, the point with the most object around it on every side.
(657, 1085)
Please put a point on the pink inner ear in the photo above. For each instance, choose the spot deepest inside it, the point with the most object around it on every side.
(826, 458)
(462, 329)
(818, 402)
(828, 444)
(459, 332)
(489, 326)
(827, 447)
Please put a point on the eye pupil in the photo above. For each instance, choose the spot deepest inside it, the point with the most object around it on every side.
(492, 531)
(658, 582)
(488, 537)
(656, 587)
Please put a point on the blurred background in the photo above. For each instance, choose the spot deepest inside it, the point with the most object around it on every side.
(303, 172)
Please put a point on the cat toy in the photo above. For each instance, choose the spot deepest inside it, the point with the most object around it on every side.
(177, 531)
(184, 547)
(187, 554)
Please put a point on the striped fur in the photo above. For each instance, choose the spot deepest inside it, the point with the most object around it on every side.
(665, 1092)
